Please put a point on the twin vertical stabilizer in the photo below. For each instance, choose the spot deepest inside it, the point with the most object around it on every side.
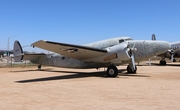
(153, 37)
(18, 57)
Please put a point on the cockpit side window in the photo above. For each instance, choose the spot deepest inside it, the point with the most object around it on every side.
(122, 40)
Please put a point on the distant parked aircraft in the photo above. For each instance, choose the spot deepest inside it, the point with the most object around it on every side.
(172, 53)
(4, 53)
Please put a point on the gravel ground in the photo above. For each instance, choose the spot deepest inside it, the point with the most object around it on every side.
(153, 87)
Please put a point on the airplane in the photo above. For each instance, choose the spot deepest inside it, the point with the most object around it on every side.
(105, 53)
(172, 53)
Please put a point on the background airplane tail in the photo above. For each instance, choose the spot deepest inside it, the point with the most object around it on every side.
(153, 37)
(18, 52)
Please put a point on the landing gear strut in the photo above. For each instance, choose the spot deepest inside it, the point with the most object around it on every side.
(112, 71)
(129, 69)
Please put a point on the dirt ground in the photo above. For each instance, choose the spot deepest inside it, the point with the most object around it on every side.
(153, 87)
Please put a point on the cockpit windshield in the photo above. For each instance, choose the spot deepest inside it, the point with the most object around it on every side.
(128, 39)
(122, 40)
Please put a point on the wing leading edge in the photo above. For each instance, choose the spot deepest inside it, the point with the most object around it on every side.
(70, 50)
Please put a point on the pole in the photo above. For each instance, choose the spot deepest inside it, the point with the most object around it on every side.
(8, 52)
(11, 61)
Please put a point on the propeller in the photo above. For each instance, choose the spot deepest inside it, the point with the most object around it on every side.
(131, 54)
(172, 55)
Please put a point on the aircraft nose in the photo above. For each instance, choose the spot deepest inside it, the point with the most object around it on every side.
(163, 46)
(166, 45)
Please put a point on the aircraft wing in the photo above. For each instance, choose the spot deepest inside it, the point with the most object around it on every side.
(70, 50)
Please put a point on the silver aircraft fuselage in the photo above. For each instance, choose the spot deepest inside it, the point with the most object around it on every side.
(145, 49)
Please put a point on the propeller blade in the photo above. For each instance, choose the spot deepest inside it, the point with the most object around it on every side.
(172, 57)
(133, 61)
(133, 46)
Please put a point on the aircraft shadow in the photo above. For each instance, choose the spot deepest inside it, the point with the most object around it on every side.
(51, 70)
(76, 75)
(31, 70)
(134, 75)
(166, 64)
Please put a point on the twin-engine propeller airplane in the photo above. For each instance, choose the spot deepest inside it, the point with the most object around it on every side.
(106, 53)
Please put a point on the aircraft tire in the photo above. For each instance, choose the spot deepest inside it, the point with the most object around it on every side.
(129, 70)
(39, 67)
(174, 60)
(162, 62)
(112, 71)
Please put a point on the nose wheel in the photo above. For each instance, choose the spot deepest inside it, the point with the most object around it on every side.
(112, 71)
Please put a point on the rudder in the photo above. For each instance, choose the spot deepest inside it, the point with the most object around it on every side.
(18, 52)
(153, 37)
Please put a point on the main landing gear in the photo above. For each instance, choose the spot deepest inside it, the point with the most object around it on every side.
(162, 62)
(112, 70)
(174, 60)
(39, 67)
(130, 70)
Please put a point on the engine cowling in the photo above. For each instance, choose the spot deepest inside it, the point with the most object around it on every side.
(167, 54)
(121, 52)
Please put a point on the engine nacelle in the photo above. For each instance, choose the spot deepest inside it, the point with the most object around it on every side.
(119, 52)
(167, 54)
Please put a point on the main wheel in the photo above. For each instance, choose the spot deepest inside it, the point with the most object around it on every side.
(112, 71)
(162, 62)
(129, 69)
(39, 67)
(174, 60)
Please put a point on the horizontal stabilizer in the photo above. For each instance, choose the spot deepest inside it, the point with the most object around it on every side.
(29, 56)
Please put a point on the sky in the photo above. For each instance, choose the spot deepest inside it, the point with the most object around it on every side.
(85, 21)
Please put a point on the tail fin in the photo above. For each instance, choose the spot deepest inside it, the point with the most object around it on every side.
(153, 37)
(18, 57)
